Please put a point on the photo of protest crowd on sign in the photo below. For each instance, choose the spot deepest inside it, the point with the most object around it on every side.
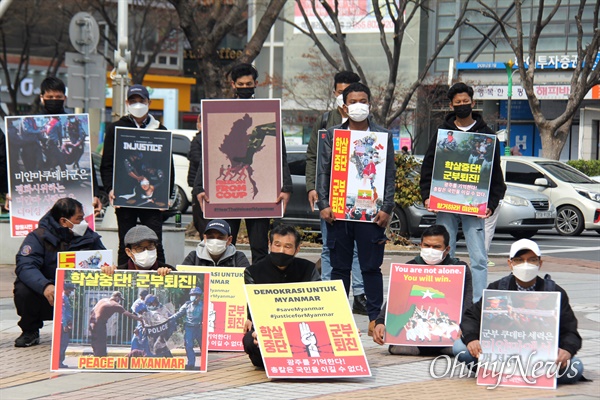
(424, 304)
(305, 331)
(227, 311)
(130, 321)
(357, 174)
(462, 172)
(519, 334)
(142, 168)
(86, 259)
(242, 158)
(48, 159)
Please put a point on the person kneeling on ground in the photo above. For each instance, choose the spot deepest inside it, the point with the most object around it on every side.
(281, 266)
(525, 262)
(61, 229)
(217, 250)
(435, 250)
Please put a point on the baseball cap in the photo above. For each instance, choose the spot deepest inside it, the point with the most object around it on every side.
(139, 90)
(524, 244)
(138, 234)
(219, 225)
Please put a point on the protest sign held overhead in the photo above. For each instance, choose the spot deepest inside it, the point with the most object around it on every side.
(227, 311)
(164, 331)
(306, 330)
(242, 158)
(357, 174)
(519, 339)
(48, 159)
(424, 304)
(462, 172)
(142, 168)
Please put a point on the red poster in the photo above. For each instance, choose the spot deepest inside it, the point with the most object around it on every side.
(424, 304)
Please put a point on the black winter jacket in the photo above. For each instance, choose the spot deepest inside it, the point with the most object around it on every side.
(497, 185)
(300, 270)
(195, 158)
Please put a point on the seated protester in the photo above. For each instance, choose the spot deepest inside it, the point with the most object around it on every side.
(216, 250)
(61, 229)
(525, 262)
(140, 247)
(280, 266)
(435, 250)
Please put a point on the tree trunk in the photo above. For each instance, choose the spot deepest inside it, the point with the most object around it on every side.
(554, 138)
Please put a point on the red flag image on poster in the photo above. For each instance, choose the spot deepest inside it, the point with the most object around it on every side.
(357, 174)
(462, 172)
(424, 304)
(48, 159)
(306, 330)
(519, 339)
(142, 169)
(227, 311)
(131, 320)
(242, 158)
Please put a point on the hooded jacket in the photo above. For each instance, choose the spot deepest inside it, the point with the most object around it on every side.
(108, 152)
(324, 169)
(37, 257)
(497, 185)
(231, 257)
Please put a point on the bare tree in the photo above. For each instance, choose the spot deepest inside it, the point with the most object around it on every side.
(554, 132)
(205, 23)
(401, 13)
(153, 25)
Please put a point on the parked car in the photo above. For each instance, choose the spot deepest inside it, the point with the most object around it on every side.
(523, 213)
(575, 195)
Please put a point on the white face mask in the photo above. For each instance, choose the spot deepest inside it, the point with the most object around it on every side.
(216, 246)
(432, 256)
(80, 228)
(358, 112)
(145, 259)
(138, 110)
(525, 272)
(339, 101)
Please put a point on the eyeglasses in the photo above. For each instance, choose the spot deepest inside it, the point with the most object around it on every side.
(533, 260)
(139, 249)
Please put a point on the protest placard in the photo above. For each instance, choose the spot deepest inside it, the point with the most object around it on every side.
(519, 338)
(162, 332)
(227, 309)
(424, 304)
(85, 259)
(306, 330)
(242, 158)
(48, 159)
(142, 170)
(357, 174)
(462, 171)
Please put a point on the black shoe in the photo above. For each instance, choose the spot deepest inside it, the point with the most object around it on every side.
(359, 306)
(192, 368)
(27, 339)
(63, 366)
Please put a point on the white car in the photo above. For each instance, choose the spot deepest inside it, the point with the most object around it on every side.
(575, 195)
(181, 146)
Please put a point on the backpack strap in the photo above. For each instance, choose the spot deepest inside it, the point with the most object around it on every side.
(324, 119)
(549, 284)
(504, 282)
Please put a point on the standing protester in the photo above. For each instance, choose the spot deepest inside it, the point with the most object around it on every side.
(138, 103)
(343, 236)
(463, 118)
(331, 118)
(61, 229)
(244, 81)
(195, 158)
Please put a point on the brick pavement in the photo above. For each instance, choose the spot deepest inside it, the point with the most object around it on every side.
(24, 373)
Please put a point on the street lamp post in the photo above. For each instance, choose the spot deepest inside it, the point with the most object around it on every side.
(509, 72)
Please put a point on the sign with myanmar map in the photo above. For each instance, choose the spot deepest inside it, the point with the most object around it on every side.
(424, 304)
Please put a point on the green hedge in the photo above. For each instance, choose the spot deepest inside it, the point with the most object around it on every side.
(588, 167)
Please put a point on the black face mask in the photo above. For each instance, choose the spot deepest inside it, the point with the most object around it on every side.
(281, 259)
(245, 93)
(54, 106)
(463, 111)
